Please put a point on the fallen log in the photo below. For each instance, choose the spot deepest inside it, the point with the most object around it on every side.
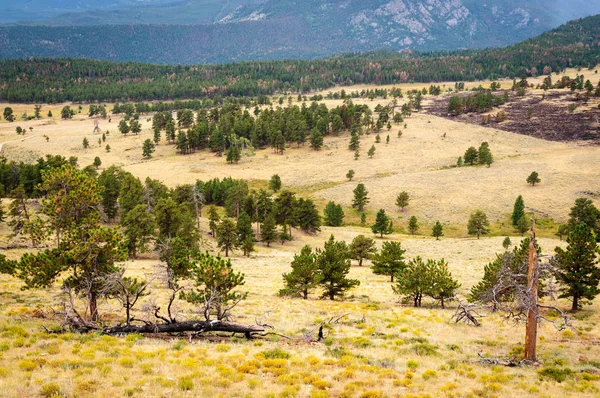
(188, 326)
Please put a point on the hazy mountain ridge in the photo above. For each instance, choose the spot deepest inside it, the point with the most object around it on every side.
(279, 29)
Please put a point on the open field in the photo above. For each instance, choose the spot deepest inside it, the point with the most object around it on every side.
(378, 347)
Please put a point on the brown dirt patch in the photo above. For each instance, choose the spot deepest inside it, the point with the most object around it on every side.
(538, 114)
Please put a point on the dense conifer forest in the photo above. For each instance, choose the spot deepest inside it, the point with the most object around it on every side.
(575, 44)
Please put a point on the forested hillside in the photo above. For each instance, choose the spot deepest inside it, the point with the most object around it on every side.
(55, 80)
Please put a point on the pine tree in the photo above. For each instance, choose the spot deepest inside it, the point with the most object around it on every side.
(478, 224)
(413, 225)
(485, 155)
(402, 200)
(361, 197)
(268, 231)
(506, 243)
(123, 127)
(441, 285)
(354, 141)
(390, 260)
(86, 143)
(438, 230)
(471, 156)
(334, 265)
(533, 178)
(518, 210)
(371, 152)
(139, 229)
(382, 224)
(135, 127)
(334, 215)
(306, 216)
(578, 270)
(412, 281)
(350, 175)
(227, 238)
(275, 183)
(213, 220)
(182, 143)
(316, 140)
(156, 136)
(233, 154)
(147, 148)
(107, 148)
(523, 225)
(247, 245)
(244, 229)
(305, 276)
(362, 248)
(585, 211)
(97, 162)
(363, 218)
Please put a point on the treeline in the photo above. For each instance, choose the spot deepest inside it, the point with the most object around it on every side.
(232, 128)
(82, 80)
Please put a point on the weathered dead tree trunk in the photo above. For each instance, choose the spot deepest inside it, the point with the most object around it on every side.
(189, 326)
(532, 290)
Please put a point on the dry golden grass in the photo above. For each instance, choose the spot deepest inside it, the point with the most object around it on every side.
(379, 348)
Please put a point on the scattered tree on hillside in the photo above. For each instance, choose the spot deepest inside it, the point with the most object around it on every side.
(518, 210)
(333, 215)
(97, 162)
(585, 211)
(390, 260)
(437, 231)
(471, 156)
(275, 183)
(123, 127)
(485, 155)
(135, 127)
(305, 276)
(148, 148)
(413, 225)
(371, 152)
(67, 112)
(577, 266)
(8, 114)
(350, 175)
(523, 225)
(402, 200)
(533, 178)
(431, 278)
(334, 265)
(361, 197)
(383, 224)
(478, 224)
(362, 248)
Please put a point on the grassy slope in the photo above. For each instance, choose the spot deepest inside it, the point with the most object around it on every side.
(369, 350)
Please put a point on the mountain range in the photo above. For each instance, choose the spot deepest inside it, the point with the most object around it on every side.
(219, 31)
